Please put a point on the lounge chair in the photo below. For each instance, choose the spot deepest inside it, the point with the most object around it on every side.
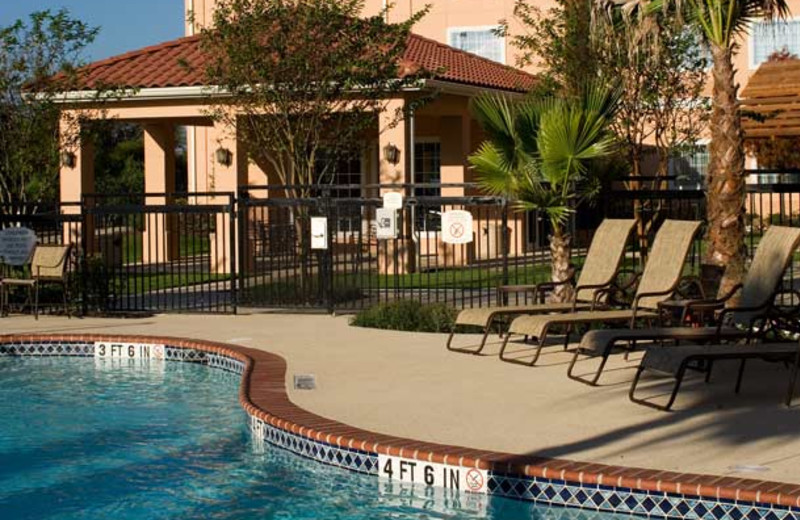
(757, 293)
(48, 266)
(599, 270)
(676, 361)
(660, 279)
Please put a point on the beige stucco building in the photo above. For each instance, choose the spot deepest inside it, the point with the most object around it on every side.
(433, 144)
(164, 88)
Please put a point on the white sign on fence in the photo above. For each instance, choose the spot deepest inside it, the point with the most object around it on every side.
(385, 224)
(16, 245)
(457, 227)
(393, 200)
(319, 233)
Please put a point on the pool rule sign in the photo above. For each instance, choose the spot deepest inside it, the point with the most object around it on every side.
(457, 227)
(142, 351)
(16, 245)
(432, 474)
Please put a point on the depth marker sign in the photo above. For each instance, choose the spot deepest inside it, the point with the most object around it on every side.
(129, 351)
(432, 474)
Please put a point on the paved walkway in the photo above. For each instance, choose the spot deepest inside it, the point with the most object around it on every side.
(408, 385)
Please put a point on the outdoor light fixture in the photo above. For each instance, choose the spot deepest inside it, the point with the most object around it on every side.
(68, 159)
(224, 156)
(391, 153)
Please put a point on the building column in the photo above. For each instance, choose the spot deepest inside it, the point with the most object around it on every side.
(76, 178)
(455, 147)
(396, 256)
(224, 176)
(160, 239)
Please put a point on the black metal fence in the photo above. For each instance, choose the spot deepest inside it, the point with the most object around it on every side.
(143, 252)
(279, 268)
(213, 252)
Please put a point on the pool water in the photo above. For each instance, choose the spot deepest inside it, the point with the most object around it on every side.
(105, 439)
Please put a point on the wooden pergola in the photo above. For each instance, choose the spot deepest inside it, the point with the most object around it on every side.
(773, 93)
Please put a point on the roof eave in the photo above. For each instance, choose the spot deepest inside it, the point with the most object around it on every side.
(188, 93)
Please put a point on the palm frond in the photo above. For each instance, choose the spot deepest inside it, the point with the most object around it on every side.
(495, 173)
(497, 117)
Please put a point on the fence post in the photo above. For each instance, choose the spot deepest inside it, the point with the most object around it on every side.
(234, 241)
(505, 246)
(327, 254)
(84, 256)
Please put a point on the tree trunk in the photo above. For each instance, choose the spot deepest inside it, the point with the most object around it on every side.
(560, 255)
(726, 182)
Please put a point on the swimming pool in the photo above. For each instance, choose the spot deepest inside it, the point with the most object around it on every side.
(126, 439)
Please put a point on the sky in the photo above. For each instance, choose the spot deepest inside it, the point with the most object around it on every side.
(125, 25)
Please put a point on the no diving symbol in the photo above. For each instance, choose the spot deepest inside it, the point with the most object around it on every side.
(474, 480)
(457, 229)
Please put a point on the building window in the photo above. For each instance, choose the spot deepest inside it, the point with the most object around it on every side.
(690, 168)
(428, 172)
(483, 41)
(769, 37)
(342, 173)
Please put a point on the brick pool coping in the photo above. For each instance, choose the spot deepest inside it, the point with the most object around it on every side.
(263, 395)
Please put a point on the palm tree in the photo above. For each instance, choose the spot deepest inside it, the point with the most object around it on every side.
(722, 23)
(537, 154)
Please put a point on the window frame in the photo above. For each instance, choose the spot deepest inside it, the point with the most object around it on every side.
(427, 140)
(751, 45)
(451, 31)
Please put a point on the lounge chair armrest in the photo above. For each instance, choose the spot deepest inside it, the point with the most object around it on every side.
(732, 310)
(690, 307)
(639, 297)
(537, 289)
(600, 289)
(631, 283)
(695, 281)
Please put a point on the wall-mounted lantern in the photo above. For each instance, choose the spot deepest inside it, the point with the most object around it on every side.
(224, 156)
(391, 153)
(69, 159)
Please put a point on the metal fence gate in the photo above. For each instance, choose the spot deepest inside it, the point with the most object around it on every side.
(279, 269)
(159, 252)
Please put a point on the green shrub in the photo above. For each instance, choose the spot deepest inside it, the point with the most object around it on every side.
(409, 316)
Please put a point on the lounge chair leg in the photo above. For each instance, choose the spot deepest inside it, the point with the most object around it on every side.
(793, 379)
(566, 336)
(451, 348)
(672, 397)
(709, 369)
(450, 338)
(740, 376)
(505, 344)
(597, 374)
(483, 341)
(537, 352)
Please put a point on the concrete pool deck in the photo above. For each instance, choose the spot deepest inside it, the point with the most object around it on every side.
(408, 385)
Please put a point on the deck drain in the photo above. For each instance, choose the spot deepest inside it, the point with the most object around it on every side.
(305, 382)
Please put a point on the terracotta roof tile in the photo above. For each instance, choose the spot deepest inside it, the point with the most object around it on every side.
(164, 65)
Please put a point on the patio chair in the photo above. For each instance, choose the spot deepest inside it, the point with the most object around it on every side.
(599, 271)
(660, 279)
(48, 266)
(758, 291)
(676, 362)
